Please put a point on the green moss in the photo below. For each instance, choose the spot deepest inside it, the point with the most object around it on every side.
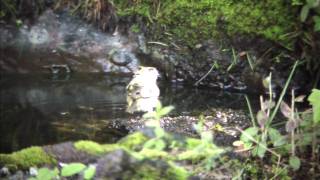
(153, 153)
(195, 21)
(89, 146)
(201, 152)
(146, 172)
(191, 143)
(149, 172)
(177, 172)
(133, 141)
(33, 156)
(135, 28)
(95, 148)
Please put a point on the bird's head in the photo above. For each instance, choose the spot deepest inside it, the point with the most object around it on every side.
(147, 73)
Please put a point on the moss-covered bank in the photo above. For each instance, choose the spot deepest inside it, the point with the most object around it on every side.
(195, 21)
(29, 157)
(130, 152)
(49, 155)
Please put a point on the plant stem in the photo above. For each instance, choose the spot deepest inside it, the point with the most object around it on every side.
(270, 94)
(250, 61)
(292, 119)
(251, 113)
(283, 92)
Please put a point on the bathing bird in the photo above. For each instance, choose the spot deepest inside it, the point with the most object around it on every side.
(142, 90)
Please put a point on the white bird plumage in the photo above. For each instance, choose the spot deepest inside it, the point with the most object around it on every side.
(142, 90)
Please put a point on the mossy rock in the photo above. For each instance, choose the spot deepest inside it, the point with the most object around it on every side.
(153, 153)
(29, 157)
(159, 170)
(95, 148)
(133, 141)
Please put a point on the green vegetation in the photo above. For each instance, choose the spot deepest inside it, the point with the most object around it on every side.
(163, 146)
(66, 171)
(29, 157)
(301, 134)
(289, 148)
(89, 147)
(194, 21)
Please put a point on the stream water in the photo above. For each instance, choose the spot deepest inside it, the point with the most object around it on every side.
(45, 109)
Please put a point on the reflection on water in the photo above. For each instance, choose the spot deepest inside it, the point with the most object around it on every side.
(40, 110)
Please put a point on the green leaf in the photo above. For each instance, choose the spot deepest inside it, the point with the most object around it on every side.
(72, 169)
(149, 115)
(47, 174)
(158, 106)
(314, 100)
(159, 132)
(206, 137)
(294, 162)
(276, 138)
(312, 3)
(260, 150)
(316, 23)
(199, 126)
(266, 82)
(157, 144)
(251, 131)
(166, 110)
(89, 172)
(248, 145)
(304, 13)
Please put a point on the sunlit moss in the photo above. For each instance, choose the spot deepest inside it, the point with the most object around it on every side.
(29, 157)
(146, 172)
(201, 152)
(177, 172)
(89, 146)
(95, 148)
(153, 153)
(149, 172)
(194, 21)
(191, 143)
(133, 141)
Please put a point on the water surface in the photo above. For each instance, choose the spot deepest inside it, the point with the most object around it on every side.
(45, 109)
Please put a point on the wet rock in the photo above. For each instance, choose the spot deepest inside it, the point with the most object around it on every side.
(114, 165)
(120, 58)
(19, 175)
(62, 39)
(4, 172)
(66, 152)
(38, 35)
(121, 165)
(33, 171)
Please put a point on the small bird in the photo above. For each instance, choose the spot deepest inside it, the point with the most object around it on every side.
(143, 91)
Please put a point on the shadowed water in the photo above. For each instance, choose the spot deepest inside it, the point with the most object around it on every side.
(45, 109)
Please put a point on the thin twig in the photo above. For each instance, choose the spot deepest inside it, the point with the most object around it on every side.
(212, 67)
(158, 43)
